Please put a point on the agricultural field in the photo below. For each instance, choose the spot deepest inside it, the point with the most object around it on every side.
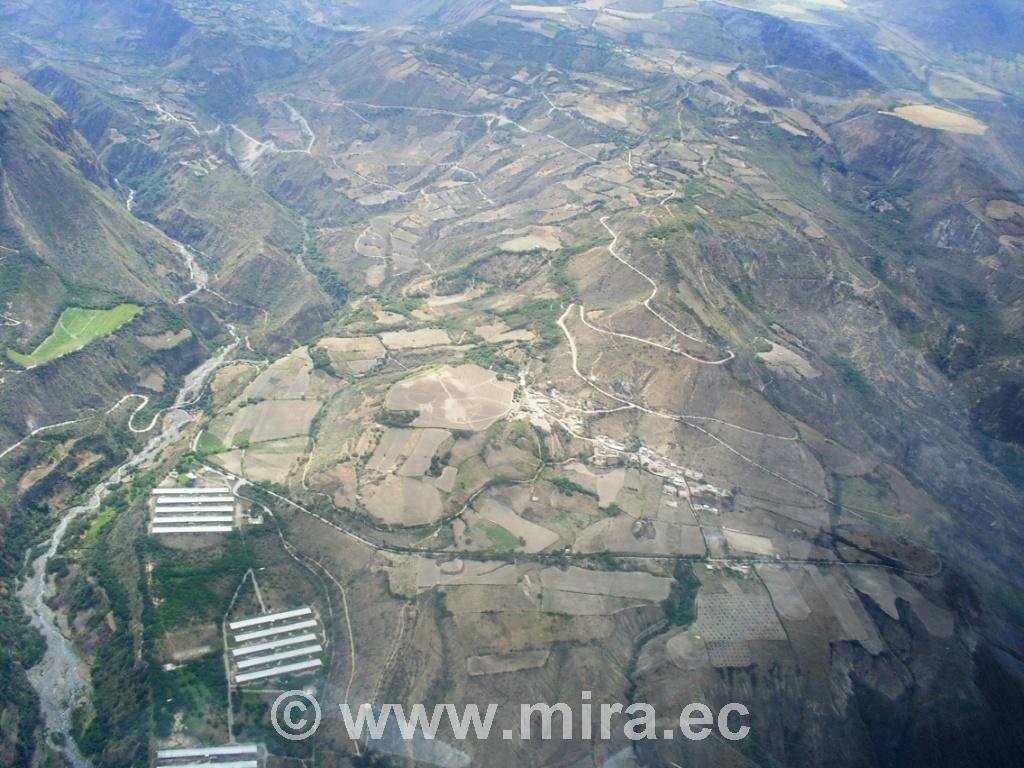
(464, 397)
(931, 116)
(75, 328)
(353, 356)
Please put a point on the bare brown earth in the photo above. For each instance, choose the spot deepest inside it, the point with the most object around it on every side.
(943, 119)
(465, 397)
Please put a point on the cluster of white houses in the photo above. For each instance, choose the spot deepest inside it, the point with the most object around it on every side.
(275, 644)
(229, 756)
(193, 510)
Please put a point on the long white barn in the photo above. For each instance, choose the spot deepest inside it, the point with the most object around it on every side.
(193, 510)
(229, 756)
(275, 644)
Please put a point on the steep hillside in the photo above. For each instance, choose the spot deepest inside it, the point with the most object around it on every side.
(100, 287)
(67, 239)
(668, 351)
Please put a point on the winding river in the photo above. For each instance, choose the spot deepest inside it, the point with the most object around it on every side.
(58, 678)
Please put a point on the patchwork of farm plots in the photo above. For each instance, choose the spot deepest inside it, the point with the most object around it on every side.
(263, 433)
(529, 607)
(454, 442)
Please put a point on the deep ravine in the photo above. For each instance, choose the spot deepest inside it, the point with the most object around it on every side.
(58, 678)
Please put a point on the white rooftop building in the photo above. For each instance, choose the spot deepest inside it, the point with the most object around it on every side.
(228, 756)
(193, 510)
(275, 644)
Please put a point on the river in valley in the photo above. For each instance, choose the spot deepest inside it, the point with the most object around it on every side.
(59, 679)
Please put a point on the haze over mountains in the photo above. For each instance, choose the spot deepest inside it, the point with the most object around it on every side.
(668, 350)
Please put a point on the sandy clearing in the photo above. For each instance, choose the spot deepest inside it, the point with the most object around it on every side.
(403, 501)
(536, 538)
(542, 240)
(633, 15)
(167, 340)
(1003, 210)
(930, 116)
(422, 451)
(274, 461)
(854, 622)
(486, 598)
(576, 604)
(497, 664)
(786, 596)
(748, 542)
(286, 378)
(687, 651)
(360, 346)
(391, 449)
(616, 534)
(601, 111)
(466, 397)
(455, 298)
(152, 378)
(447, 479)
(496, 333)
(274, 420)
(431, 573)
(423, 337)
(375, 275)
(636, 585)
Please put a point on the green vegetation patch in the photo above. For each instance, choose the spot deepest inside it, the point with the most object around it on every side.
(541, 317)
(195, 587)
(569, 487)
(871, 493)
(492, 358)
(321, 360)
(196, 688)
(502, 539)
(241, 440)
(851, 375)
(681, 606)
(103, 518)
(402, 305)
(75, 328)
(391, 418)
(208, 444)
